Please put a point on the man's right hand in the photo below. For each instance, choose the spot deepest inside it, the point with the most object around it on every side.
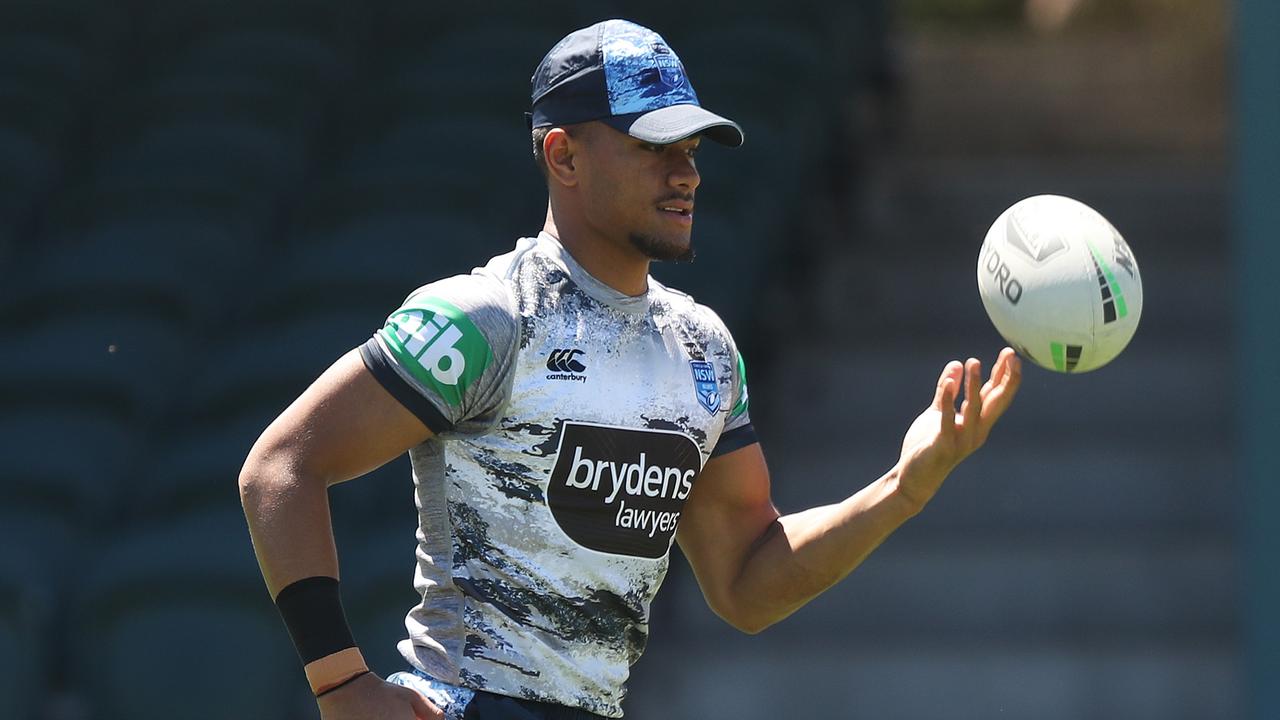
(372, 698)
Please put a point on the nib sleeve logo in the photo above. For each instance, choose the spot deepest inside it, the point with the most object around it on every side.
(619, 490)
(438, 345)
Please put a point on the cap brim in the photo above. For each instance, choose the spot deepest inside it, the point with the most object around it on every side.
(675, 123)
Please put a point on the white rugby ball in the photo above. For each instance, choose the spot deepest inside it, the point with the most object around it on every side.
(1060, 284)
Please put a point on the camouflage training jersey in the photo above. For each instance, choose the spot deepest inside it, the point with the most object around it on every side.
(571, 422)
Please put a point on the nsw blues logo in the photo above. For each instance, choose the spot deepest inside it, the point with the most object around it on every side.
(641, 71)
(705, 385)
(670, 73)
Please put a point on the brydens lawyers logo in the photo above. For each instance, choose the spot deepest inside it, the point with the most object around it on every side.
(620, 490)
(564, 365)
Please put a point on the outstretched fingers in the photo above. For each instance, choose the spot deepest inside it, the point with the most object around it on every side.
(971, 409)
(1006, 378)
(944, 398)
(999, 371)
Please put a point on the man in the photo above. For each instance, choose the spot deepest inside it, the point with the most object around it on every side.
(568, 417)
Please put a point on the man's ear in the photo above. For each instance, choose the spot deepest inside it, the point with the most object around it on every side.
(560, 148)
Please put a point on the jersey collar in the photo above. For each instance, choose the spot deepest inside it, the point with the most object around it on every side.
(595, 289)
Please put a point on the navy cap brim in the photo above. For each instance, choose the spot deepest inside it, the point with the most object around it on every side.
(675, 123)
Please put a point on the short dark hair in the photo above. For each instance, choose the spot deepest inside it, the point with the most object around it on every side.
(539, 136)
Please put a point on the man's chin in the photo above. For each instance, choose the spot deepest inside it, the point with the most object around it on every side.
(664, 249)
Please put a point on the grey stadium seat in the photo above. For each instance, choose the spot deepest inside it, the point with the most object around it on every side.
(193, 469)
(374, 261)
(66, 460)
(242, 154)
(34, 546)
(481, 168)
(263, 367)
(377, 571)
(27, 171)
(174, 28)
(121, 362)
(167, 267)
(181, 625)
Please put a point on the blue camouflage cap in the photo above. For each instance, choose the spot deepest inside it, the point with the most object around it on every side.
(626, 76)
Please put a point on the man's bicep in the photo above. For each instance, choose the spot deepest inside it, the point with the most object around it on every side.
(728, 511)
(343, 426)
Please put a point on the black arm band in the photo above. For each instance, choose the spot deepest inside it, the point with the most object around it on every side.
(312, 609)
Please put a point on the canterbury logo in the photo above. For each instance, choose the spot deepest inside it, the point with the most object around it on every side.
(564, 361)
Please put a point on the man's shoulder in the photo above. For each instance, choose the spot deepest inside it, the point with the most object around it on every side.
(487, 287)
(502, 268)
(479, 303)
(686, 307)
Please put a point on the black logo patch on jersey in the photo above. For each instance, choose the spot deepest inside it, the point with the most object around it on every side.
(620, 490)
(565, 361)
(564, 365)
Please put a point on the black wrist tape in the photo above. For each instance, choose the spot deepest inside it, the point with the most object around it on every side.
(312, 609)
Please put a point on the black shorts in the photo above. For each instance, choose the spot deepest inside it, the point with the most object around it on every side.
(487, 706)
(460, 703)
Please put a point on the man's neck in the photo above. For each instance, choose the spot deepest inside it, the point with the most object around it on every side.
(619, 266)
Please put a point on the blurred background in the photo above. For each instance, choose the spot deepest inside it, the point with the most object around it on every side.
(204, 203)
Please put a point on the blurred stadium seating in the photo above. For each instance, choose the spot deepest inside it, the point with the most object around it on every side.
(202, 205)
(42, 471)
(378, 566)
(182, 600)
(34, 547)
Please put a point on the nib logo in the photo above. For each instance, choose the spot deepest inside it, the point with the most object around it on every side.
(438, 345)
(565, 361)
(435, 344)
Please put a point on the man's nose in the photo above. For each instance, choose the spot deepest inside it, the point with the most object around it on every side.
(685, 174)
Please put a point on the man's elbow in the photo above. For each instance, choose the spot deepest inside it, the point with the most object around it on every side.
(253, 482)
(260, 476)
(745, 620)
(753, 626)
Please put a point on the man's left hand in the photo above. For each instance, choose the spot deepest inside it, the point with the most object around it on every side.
(940, 438)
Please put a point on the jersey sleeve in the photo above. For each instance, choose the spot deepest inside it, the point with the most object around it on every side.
(738, 431)
(447, 354)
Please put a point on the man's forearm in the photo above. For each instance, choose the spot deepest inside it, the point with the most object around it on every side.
(289, 522)
(802, 554)
(293, 537)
